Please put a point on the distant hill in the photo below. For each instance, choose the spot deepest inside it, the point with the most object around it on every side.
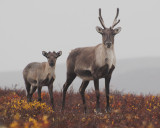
(139, 75)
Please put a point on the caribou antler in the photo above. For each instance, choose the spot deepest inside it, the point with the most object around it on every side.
(101, 19)
(115, 22)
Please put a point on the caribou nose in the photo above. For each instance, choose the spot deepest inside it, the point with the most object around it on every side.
(51, 64)
(108, 45)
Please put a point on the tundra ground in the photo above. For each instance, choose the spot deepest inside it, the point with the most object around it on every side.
(128, 111)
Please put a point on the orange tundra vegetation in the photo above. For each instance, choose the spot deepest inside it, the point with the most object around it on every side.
(128, 111)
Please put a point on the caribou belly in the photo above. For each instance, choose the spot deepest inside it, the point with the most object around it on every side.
(84, 74)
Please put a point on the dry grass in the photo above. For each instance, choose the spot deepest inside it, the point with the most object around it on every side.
(128, 111)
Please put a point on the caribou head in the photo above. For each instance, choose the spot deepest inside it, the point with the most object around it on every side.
(52, 57)
(108, 33)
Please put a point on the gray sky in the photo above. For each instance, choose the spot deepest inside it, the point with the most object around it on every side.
(29, 26)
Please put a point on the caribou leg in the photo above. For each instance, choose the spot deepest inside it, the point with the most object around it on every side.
(32, 91)
(82, 92)
(28, 87)
(96, 85)
(39, 93)
(107, 82)
(69, 80)
(50, 90)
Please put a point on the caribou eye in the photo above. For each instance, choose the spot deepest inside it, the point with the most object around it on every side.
(56, 56)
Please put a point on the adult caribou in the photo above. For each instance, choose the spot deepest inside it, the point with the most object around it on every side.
(93, 63)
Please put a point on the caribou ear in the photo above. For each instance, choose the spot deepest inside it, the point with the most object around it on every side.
(117, 30)
(59, 53)
(44, 53)
(99, 30)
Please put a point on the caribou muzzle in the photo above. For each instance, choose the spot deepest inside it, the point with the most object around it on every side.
(108, 44)
(51, 64)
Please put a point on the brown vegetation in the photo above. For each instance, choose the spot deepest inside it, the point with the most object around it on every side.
(128, 110)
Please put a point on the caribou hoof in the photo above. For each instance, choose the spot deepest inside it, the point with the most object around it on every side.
(97, 112)
(62, 109)
(39, 99)
(108, 110)
(53, 108)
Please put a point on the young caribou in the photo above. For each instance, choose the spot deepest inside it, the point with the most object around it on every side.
(93, 63)
(37, 75)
